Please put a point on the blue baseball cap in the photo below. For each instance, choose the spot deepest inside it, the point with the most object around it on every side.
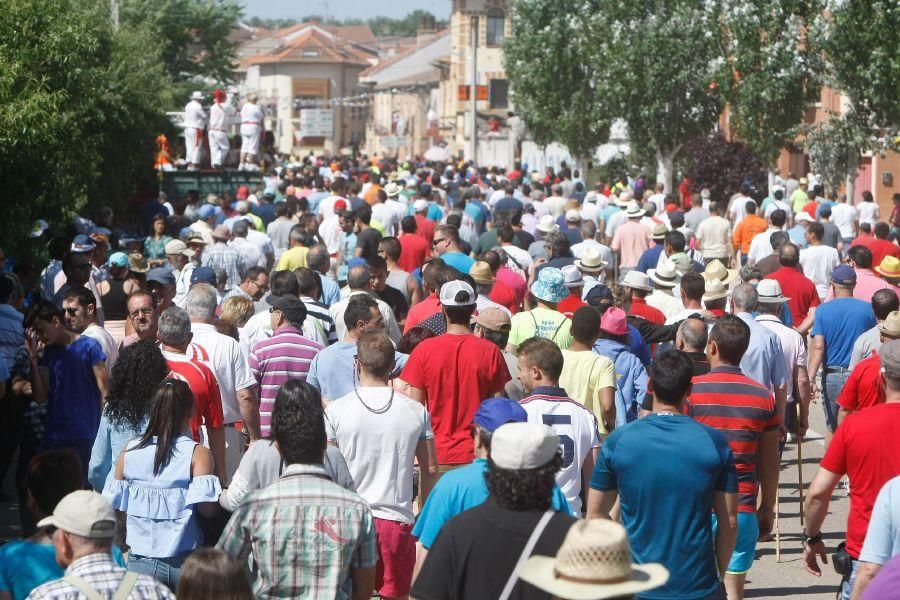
(206, 211)
(843, 275)
(82, 243)
(495, 412)
(203, 275)
(162, 275)
(118, 259)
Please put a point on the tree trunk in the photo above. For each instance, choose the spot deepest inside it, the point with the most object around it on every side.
(665, 166)
(772, 176)
(850, 187)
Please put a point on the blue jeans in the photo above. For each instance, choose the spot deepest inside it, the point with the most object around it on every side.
(848, 583)
(164, 570)
(834, 380)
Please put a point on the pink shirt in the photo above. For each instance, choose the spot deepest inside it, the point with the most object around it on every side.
(867, 283)
(631, 239)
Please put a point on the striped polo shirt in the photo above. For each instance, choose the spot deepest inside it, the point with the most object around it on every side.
(741, 409)
(285, 355)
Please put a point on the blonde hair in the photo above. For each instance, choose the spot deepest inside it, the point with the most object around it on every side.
(237, 310)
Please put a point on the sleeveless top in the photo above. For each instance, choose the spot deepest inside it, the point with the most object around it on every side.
(161, 520)
(115, 301)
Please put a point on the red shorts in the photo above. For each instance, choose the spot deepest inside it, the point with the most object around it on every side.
(396, 558)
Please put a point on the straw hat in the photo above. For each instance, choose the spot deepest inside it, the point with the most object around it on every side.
(547, 224)
(664, 276)
(891, 326)
(634, 211)
(715, 290)
(659, 231)
(717, 270)
(889, 267)
(573, 276)
(481, 273)
(636, 281)
(593, 562)
(590, 261)
(137, 263)
(769, 292)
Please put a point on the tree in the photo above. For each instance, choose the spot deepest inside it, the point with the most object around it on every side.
(80, 106)
(556, 87)
(722, 166)
(658, 60)
(772, 70)
(192, 36)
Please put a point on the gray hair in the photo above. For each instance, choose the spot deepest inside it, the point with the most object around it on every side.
(318, 258)
(174, 327)
(201, 302)
(556, 189)
(240, 228)
(745, 298)
(588, 229)
(358, 277)
(693, 333)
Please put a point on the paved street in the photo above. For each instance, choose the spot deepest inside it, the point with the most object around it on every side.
(768, 578)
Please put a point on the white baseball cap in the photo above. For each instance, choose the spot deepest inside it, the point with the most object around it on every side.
(420, 205)
(523, 446)
(83, 513)
(804, 216)
(457, 293)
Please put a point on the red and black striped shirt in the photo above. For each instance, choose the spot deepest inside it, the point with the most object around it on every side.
(741, 409)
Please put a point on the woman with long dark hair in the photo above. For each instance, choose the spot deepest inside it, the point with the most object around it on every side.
(162, 481)
(138, 370)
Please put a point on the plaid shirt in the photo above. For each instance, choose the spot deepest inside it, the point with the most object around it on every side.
(305, 533)
(222, 256)
(102, 574)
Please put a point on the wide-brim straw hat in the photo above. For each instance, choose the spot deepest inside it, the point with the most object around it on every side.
(664, 276)
(591, 261)
(717, 270)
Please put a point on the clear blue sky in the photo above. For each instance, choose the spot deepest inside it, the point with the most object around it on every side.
(342, 9)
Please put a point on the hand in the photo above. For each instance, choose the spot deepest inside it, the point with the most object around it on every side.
(810, 551)
(765, 517)
(33, 344)
(537, 262)
(813, 391)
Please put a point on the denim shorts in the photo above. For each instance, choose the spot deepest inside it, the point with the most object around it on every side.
(165, 570)
(834, 379)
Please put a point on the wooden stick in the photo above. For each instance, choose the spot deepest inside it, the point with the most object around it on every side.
(800, 464)
(777, 533)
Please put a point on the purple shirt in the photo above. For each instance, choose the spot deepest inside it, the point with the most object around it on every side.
(285, 355)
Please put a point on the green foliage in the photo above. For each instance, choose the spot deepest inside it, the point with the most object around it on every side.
(557, 87)
(861, 40)
(80, 106)
(772, 70)
(722, 166)
(192, 36)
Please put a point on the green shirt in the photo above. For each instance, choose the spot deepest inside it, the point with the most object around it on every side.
(541, 322)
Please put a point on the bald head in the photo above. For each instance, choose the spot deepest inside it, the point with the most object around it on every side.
(691, 336)
(789, 255)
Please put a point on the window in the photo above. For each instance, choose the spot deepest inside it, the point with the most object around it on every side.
(496, 24)
(499, 93)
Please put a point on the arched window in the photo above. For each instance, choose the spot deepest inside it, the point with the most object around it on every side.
(496, 25)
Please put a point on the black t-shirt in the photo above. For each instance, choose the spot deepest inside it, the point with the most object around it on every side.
(477, 550)
(368, 240)
(701, 367)
(396, 300)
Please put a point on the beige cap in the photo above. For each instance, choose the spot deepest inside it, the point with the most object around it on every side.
(659, 231)
(84, 513)
(891, 325)
(178, 247)
(493, 319)
(520, 446)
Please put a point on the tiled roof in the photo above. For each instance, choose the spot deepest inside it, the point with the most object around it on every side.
(310, 44)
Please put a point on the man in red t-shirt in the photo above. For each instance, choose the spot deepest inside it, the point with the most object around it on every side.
(452, 373)
(174, 331)
(414, 249)
(434, 275)
(881, 246)
(639, 285)
(424, 225)
(801, 290)
(866, 447)
(864, 388)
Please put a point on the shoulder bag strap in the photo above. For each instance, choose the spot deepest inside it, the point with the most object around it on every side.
(526, 552)
(83, 586)
(125, 587)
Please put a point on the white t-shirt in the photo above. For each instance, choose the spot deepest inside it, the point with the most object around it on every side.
(843, 215)
(251, 114)
(228, 363)
(778, 205)
(761, 245)
(326, 206)
(107, 343)
(868, 212)
(738, 208)
(818, 262)
(380, 448)
(576, 427)
(388, 217)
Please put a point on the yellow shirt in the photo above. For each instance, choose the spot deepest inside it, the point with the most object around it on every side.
(293, 259)
(584, 374)
(541, 322)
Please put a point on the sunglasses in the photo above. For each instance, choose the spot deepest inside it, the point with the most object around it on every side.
(438, 241)
(71, 311)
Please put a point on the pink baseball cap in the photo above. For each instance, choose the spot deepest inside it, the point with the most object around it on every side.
(614, 322)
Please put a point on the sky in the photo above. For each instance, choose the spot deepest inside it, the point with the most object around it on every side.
(342, 9)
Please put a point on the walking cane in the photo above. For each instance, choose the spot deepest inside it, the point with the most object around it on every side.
(777, 533)
(800, 464)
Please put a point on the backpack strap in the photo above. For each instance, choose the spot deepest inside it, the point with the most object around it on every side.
(83, 586)
(125, 587)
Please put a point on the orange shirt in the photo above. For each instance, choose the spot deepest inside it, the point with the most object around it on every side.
(746, 230)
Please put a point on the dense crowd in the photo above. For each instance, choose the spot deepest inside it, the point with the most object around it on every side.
(441, 381)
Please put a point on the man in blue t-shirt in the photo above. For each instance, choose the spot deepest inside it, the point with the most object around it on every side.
(670, 473)
(836, 325)
(70, 378)
(465, 488)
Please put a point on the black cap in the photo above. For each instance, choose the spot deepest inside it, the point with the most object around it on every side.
(289, 304)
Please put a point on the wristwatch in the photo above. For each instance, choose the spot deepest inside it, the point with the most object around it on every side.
(810, 540)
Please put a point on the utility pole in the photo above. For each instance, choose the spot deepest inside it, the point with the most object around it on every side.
(474, 115)
(115, 14)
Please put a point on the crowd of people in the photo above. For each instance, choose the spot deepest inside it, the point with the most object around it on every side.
(440, 381)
